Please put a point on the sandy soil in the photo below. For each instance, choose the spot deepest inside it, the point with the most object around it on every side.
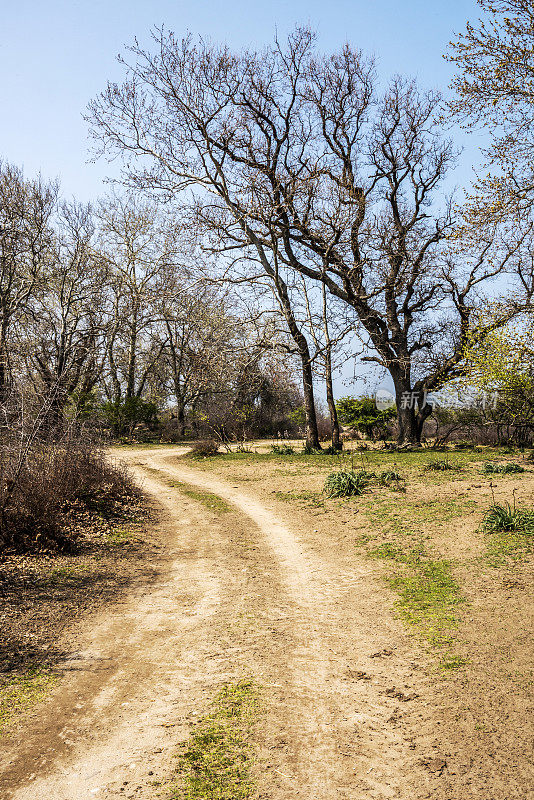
(347, 710)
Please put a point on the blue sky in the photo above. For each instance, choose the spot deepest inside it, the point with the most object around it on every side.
(55, 56)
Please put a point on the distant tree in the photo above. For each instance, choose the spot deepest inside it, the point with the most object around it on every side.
(64, 335)
(138, 245)
(502, 370)
(26, 210)
(361, 414)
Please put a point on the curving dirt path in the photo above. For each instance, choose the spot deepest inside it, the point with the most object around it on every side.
(346, 710)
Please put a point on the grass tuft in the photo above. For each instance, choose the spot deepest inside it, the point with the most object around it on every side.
(504, 517)
(282, 449)
(346, 483)
(507, 468)
(440, 465)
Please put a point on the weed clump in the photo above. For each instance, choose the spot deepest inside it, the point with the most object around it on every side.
(507, 468)
(392, 480)
(282, 449)
(440, 465)
(506, 517)
(346, 483)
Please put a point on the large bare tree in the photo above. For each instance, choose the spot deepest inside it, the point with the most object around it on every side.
(298, 160)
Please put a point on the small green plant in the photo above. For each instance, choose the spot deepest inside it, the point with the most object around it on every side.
(392, 480)
(440, 465)
(506, 517)
(346, 483)
(507, 468)
(282, 449)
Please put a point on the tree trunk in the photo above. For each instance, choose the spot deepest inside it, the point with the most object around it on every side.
(412, 411)
(336, 435)
(312, 432)
(4, 366)
(405, 398)
(181, 419)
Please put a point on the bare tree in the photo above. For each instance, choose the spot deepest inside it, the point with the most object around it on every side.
(26, 208)
(295, 159)
(64, 335)
(329, 330)
(137, 244)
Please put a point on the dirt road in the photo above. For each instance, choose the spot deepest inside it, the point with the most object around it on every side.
(345, 707)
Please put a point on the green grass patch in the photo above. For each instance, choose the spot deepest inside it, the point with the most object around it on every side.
(215, 762)
(66, 574)
(211, 501)
(18, 693)
(441, 465)
(428, 595)
(314, 499)
(118, 536)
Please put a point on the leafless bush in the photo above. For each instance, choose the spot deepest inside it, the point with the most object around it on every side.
(205, 447)
(43, 469)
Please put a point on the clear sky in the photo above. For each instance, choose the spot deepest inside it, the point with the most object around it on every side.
(56, 55)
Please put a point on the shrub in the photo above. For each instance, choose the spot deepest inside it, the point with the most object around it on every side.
(346, 483)
(39, 480)
(501, 469)
(282, 449)
(361, 414)
(204, 447)
(123, 416)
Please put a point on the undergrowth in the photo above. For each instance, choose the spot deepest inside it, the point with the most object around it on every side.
(506, 468)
